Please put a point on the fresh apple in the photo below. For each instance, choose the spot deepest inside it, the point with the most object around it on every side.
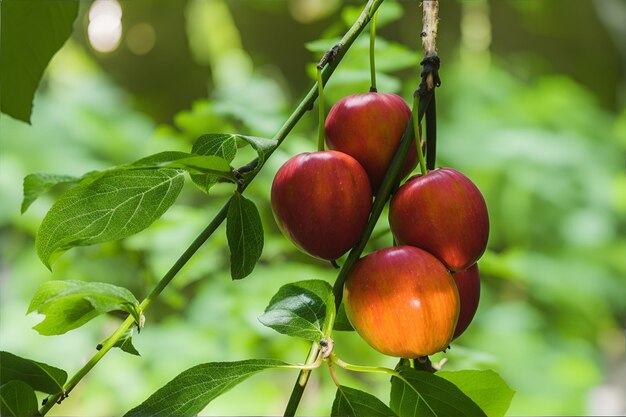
(468, 284)
(369, 128)
(321, 202)
(402, 301)
(444, 213)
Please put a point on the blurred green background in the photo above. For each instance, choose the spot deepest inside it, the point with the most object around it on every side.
(531, 109)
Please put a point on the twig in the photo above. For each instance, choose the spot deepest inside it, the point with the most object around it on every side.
(290, 123)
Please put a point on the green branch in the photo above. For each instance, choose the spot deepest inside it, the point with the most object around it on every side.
(331, 62)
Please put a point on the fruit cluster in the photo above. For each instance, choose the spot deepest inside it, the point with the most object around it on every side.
(410, 300)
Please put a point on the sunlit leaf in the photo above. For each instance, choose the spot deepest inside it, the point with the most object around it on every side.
(70, 304)
(193, 389)
(37, 184)
(40, 376)
(114, 206)
(17, 399)
(485, 388)
(299, 309)
(350, 402)
(194, 164)
(418, 393)
(222, 145)
(32, 32)
(245, 236)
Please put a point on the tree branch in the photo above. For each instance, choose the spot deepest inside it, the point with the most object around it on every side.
(430, 22)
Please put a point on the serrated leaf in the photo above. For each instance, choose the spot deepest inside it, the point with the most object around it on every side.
(70, 304)
(40, 376)
(418, 393)
(126, 343)
(350, 402)
(245, 236)
(32, 32)
(37, 184)
(486, 388)
(299, 309)
(191, 391)
(117, 204)
(222, 145)
(341, 321)
(17, 399)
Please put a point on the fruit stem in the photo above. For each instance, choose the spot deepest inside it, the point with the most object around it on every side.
(418, 140)
(333, 374)
(307, 366)
(320, 102)
(303, 107)
(359, 368)
(380, 201)
(373, 53)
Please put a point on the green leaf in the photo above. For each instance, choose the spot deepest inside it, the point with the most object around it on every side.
(115, 205)
(299, 309)
(191, 391)
(17, 399)
(222, 145)
(32, 32)
(225, 146)
(37, 184)
(354, 403)
(194, 164)
(70, 304)
(341, 321)
(38, 375)
(419, 393)
(245, 236)
(126, 343)
(263, 147)
(486, 388)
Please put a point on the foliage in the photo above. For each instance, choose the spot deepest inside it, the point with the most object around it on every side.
(551, 183)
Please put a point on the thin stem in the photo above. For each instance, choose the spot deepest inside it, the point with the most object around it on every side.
(333, 374)
(304, 105)
(418, 140)
(347, 40)
(390, 179)
(303, 378)
(359, 368)
(431, 134)
(320, 103)
(52, 400)
(373, 53)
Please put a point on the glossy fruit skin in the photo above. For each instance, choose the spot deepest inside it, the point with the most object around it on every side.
(369, 128)
(444, 213)
(321, 202)
(468, 284)
(402, 301)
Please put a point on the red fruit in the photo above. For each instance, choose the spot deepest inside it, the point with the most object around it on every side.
(402, 301)
(468, 284)
(443, 213)
(321, 202)
(369, 128)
